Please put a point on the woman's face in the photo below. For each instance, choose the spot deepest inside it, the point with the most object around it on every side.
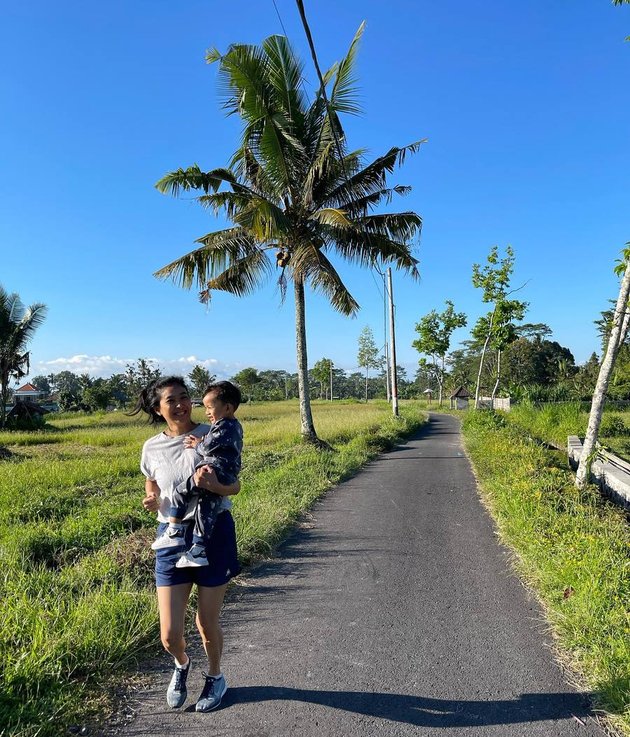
(176, 408)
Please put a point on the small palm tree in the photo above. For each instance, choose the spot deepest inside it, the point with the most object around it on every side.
(17, 325)
(294, 189)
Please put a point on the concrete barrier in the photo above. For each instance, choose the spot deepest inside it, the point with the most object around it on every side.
(611, 473)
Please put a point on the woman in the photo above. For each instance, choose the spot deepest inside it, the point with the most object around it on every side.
(166, 462)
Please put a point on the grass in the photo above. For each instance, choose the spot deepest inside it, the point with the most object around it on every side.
(571, 547)
(76, 582)
(553, 423)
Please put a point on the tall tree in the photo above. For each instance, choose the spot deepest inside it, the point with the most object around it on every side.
(494, 280)
(294, 188)
(369, 355)
(200, 377)
(17, 327)
(434, 339)
(617, 336)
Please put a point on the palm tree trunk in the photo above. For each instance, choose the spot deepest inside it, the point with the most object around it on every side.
(306, 416)
(618, 333)
(366, 385)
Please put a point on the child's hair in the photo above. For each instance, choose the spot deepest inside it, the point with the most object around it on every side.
(226, 392)
(149, 398)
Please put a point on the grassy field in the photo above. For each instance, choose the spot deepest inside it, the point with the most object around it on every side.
(76, 586)
(571, 547)
(553, 423)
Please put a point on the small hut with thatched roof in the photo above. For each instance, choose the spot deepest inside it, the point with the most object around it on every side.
(459, 398)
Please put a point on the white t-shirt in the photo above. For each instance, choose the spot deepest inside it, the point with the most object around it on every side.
(166, 461)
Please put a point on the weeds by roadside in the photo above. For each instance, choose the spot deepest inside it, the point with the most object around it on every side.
(572, 547)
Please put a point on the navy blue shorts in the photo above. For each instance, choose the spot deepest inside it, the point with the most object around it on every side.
(221, 552)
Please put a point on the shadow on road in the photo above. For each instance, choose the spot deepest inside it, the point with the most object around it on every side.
(427, 712)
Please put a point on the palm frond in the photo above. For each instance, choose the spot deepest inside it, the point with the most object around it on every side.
(402, 226)
(285, 75)
(332, 216)
(242, 277)
(219, 250)
(369, 249)
(363, 205)
(343, 98)
(372, 177)
(260, 217)
(313, 266)
(191, 178)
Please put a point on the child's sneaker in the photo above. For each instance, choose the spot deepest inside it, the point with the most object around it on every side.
(193, 558)
(172, 537)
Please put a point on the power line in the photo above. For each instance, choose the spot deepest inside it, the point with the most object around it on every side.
(280, 18)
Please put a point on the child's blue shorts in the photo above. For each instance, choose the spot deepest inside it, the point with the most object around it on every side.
(221, 551)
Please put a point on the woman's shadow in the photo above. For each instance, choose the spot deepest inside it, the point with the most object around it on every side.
(427, 712)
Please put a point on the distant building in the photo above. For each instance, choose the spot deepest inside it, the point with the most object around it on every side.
(27, 392)
(459, 398)
(24, 409)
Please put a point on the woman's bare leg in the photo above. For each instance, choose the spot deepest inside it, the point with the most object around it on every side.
(172, 601)
(209, 603)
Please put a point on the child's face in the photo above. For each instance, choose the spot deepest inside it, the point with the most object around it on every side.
(215, 408)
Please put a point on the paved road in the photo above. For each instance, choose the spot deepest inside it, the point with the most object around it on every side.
(392, 612)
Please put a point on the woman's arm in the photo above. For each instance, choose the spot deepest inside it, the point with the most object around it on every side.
(151, 501)
(207, 479)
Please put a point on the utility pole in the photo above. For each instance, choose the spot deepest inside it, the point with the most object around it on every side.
(387, 384)
(392, 336)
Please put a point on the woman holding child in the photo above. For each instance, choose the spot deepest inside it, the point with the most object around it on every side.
(168, 461)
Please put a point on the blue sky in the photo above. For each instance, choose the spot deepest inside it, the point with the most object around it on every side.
(525, 107)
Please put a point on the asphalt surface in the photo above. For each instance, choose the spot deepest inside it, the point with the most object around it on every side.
(392, 611)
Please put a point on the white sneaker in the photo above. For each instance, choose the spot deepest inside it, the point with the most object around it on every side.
(193, 558)
(172, 537)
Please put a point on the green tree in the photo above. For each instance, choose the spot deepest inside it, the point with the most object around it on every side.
(321, 372)
(496, 327)
(42, 383)
(17, 327)
(369, 356)
(139, 374)
(292, 188)
(98, 395)
(435, 330)
(247, 378)
(199, 378)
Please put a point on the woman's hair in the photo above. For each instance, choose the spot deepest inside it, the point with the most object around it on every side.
(226, 392)
(149, 398)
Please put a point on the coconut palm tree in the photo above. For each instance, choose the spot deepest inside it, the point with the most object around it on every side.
(294, 190)
(17, 325)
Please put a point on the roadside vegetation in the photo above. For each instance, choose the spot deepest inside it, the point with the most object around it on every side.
(553, 423)
(76, 583)
(572, 547)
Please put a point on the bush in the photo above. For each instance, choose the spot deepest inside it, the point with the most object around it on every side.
(613, 426)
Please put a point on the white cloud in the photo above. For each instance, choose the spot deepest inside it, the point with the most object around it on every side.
(104, 366)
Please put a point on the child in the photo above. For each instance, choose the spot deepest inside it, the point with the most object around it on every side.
(221, 450)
